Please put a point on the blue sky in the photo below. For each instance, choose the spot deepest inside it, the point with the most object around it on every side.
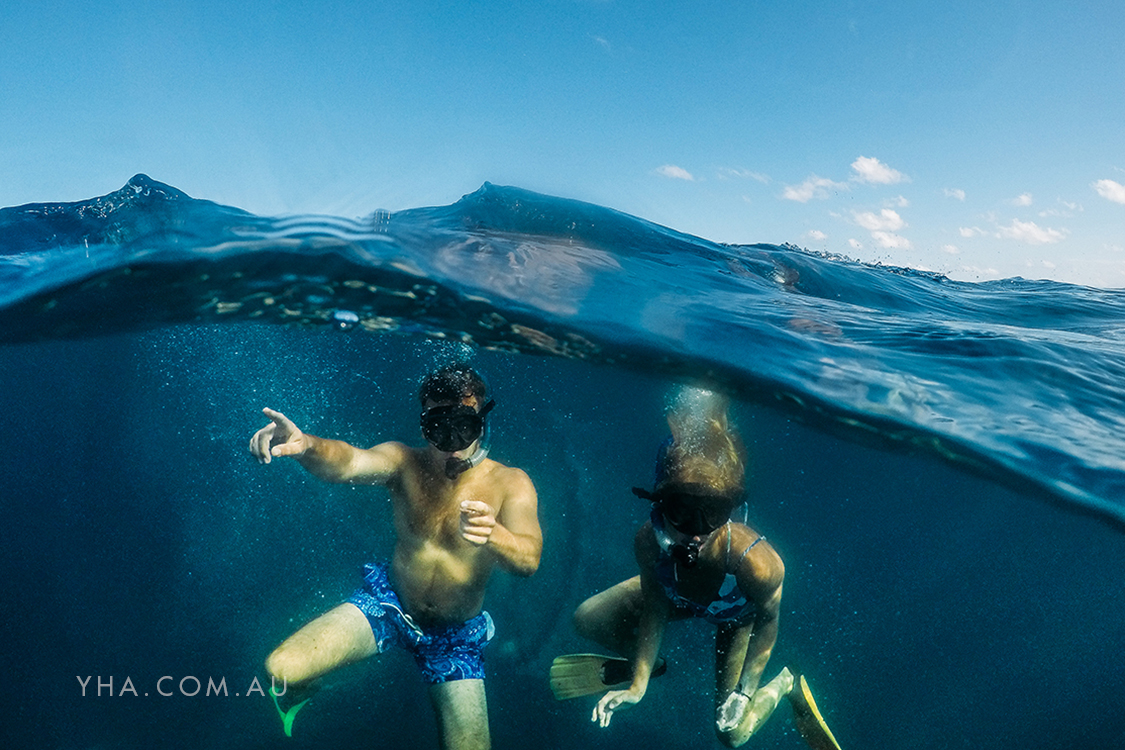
(983, 140)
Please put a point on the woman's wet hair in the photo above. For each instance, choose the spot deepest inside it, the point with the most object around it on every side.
(706, 450)
(453, 383)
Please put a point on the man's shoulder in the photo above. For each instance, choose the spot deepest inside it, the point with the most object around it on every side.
(393, 449)
(510, 477)
(394, 456)
(500, 468)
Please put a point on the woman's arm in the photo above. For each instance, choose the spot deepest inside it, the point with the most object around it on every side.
(760, 576)
(655, 612)
(763, 636)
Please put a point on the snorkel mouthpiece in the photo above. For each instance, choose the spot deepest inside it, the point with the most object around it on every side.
(687, 553)
(455, 467)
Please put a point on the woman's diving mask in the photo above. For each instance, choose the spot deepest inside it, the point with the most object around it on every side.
(694, 512)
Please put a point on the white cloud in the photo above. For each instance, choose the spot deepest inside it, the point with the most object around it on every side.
(1110, 190)
(813, 187)
(980, 271)
(885, 220)
(891, 240)
(674, 172)
(816, 234)
(871, 170)
(855, 244)
(1031, 233)
(971, 231)
(955, 194)
(1049, 265)
(1023, 200)
(601, 41)
(726, 172)
(883, 227)
(1066, 212)
(900, 202)
(951, 249)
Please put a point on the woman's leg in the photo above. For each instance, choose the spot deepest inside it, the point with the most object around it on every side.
(730, 655)
(610, 617)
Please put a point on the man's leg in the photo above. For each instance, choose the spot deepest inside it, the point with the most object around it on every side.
(462, 714)
(338, 637)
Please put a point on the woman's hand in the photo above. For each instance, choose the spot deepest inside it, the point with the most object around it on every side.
(613, 700)
(729, 715)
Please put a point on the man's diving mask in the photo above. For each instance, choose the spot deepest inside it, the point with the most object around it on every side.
(454, 427)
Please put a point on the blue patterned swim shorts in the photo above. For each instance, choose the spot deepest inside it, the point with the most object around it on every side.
(455, 652)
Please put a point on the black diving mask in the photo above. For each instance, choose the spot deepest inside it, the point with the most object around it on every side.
(696, 517)
(455, 427)
(692, 513)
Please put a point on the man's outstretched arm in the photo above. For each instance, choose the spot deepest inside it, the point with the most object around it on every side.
(330, 460)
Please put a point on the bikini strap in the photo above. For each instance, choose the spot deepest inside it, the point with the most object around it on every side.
(728, 546)
(746, 551)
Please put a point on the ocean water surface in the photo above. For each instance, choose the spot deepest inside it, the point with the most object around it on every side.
(940, 464)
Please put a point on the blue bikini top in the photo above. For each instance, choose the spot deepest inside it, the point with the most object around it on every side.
(728, 605)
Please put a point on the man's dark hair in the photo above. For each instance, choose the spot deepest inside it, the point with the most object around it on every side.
(453, 383)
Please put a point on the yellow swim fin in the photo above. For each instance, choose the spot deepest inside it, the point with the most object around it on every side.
(807, 716)
(575, 675)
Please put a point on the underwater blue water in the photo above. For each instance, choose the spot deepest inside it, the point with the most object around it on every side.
(940, 464)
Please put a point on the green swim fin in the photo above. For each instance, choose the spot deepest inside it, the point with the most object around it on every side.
(575, 675)
(287, 717)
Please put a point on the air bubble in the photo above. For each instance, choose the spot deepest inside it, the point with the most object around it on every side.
(344, 320)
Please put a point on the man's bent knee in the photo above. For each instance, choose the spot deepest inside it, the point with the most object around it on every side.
(286, 666)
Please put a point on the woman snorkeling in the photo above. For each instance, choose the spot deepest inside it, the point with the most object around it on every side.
(694, 563)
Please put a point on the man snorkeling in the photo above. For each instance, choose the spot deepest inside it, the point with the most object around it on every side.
(457, 515)
(695, 563)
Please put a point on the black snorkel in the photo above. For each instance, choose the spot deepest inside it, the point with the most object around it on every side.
(687, 553)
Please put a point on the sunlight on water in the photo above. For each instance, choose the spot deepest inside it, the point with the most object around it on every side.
(144, 332)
